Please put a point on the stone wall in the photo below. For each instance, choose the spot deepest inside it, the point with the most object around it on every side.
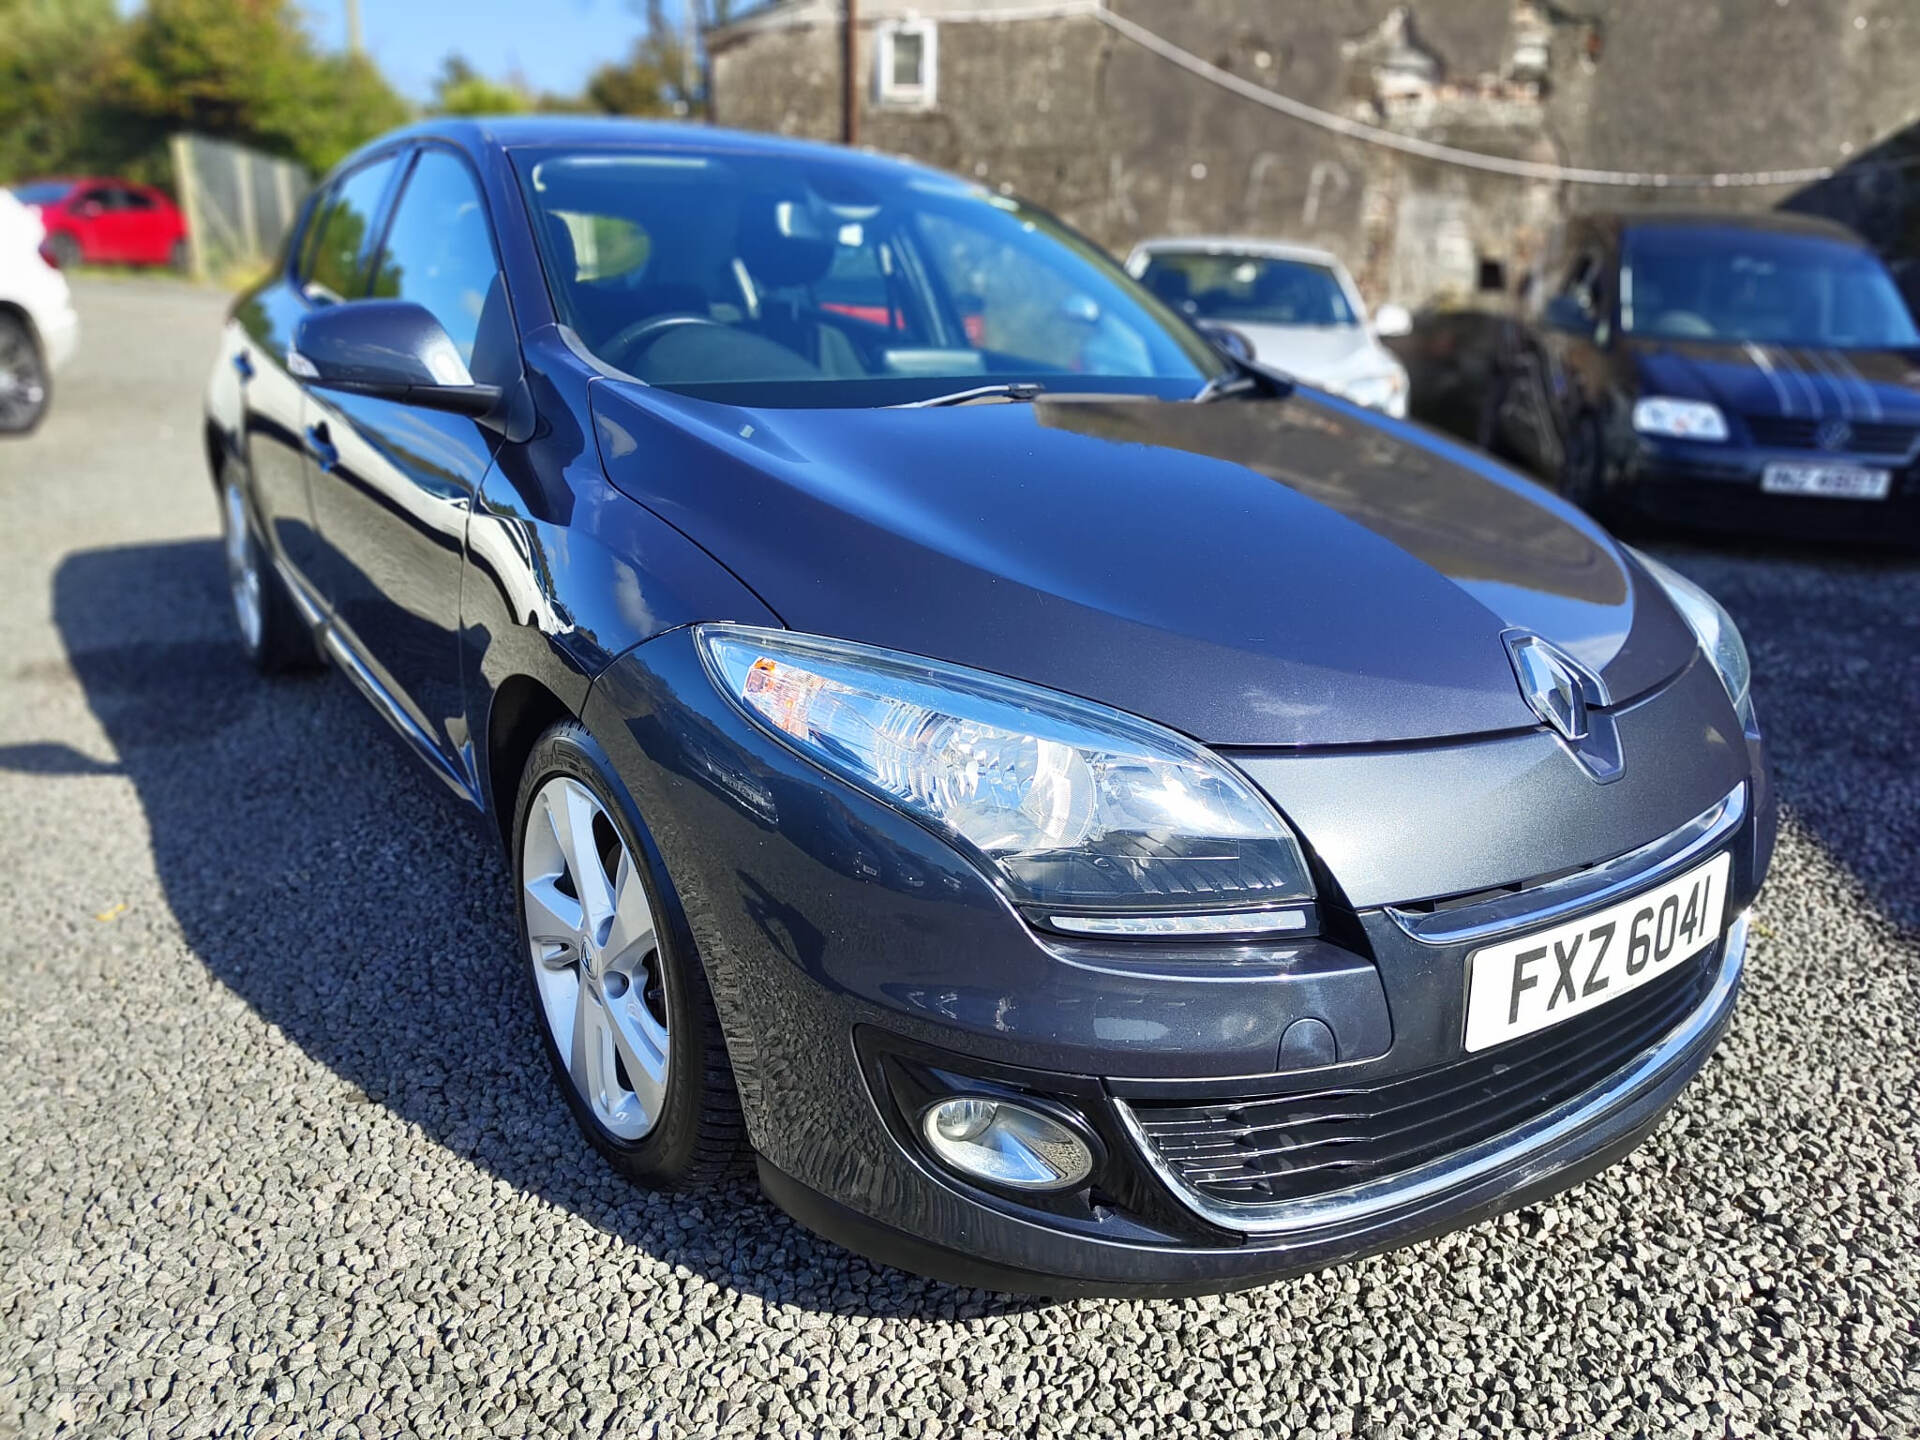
(1125, 145)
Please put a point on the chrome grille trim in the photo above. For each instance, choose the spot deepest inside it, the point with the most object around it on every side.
(1600, 885)
(1476, 1162)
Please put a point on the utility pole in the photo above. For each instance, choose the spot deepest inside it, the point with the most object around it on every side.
(850, 73)
(355, 44)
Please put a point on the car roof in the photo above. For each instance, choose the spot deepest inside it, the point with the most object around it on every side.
(1775, 222)
(512, 132)
(1238, 245)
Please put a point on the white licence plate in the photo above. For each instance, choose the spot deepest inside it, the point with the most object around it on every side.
(1519, 986)
(1835, 482)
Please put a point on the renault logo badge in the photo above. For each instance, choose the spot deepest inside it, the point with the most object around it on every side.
(1569, 699)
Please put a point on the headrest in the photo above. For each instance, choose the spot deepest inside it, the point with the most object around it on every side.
(781, 246)
(560, 241)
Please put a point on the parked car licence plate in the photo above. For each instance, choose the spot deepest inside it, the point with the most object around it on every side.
(1835, 482)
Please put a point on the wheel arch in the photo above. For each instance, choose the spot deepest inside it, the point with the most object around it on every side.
(15, 310)
(523, 709)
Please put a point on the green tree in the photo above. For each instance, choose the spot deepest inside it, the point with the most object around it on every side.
(459, 89)
(658, 77)
(245, 70)
(53, 58)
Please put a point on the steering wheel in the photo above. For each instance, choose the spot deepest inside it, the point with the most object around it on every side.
(641, 333)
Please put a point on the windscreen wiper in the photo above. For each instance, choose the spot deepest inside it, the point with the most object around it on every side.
(1013, 390)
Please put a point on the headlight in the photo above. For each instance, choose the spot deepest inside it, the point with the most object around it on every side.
(1719, 636)
(1094, 822)
(1384, 391)
(1681, 419)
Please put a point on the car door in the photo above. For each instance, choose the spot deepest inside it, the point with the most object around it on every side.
(144, 228)
(1544, 392)
(395, 482)
(330, 258)
(96, 216)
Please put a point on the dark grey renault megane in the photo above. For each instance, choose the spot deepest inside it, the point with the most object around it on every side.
(1079, 813)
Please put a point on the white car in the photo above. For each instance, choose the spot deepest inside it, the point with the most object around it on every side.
(1297, 306)
(38, 329)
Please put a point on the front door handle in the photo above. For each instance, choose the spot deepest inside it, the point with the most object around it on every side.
(321, 447)
(242, 365)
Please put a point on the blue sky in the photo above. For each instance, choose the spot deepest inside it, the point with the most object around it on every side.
(552, 43)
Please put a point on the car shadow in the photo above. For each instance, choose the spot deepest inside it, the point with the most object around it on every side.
(325, 878)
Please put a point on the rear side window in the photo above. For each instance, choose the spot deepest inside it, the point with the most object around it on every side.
(439, 250)
(333, 269)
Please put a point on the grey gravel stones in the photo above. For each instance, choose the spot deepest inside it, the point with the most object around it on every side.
(278, 1155)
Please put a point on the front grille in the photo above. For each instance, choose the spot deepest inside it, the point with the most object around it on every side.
(1867, 438)
(1292, 1147)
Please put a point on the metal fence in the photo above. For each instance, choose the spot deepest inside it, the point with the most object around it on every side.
(239, 203)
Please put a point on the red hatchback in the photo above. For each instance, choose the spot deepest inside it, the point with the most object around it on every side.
(107, 222)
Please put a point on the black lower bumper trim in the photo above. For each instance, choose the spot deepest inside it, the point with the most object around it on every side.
(1208, 1272)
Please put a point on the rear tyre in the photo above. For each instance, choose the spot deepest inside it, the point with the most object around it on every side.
(24, 387)
(272, 631)
(625, 1015)
(64, 249)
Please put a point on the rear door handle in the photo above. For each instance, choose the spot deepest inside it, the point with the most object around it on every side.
(243, 365)
(321, 447)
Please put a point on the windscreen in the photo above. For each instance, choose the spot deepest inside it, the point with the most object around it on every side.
(1736, 286)
(1251, 289)
(783, 280)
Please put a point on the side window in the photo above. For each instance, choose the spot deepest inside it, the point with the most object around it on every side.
(309, 238)
(334, 270)
(100, 196)
(439, 251)
(136, 199)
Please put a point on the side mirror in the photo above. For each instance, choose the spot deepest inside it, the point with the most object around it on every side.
(1225, 337)
(1392, 321)
(389, 349)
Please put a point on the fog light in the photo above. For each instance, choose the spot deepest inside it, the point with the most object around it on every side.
(1005, 1143)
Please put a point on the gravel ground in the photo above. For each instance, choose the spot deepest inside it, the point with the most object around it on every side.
(278, 1154)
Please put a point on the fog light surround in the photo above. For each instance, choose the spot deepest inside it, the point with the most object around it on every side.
(1002, 1142)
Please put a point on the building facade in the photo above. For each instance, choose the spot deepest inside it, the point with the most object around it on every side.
(1125, 140)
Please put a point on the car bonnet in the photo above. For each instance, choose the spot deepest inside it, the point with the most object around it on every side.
(1281, 572)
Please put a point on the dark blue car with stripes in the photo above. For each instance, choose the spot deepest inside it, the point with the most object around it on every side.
(1721, 372)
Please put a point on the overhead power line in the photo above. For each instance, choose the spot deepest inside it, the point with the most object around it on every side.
(1445, 154)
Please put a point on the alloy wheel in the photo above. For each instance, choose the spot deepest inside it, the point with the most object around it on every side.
(243, 566)
(596, 957)
(23, 383)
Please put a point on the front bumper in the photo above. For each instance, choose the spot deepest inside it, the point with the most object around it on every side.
(1716, 487)
(59, 335)
(980, 1246)
(850, 951)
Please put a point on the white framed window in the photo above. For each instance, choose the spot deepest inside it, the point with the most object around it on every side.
(907, 63)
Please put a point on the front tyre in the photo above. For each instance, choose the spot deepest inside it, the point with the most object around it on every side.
(24, 388)
(626, 1018)
(272, 631)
